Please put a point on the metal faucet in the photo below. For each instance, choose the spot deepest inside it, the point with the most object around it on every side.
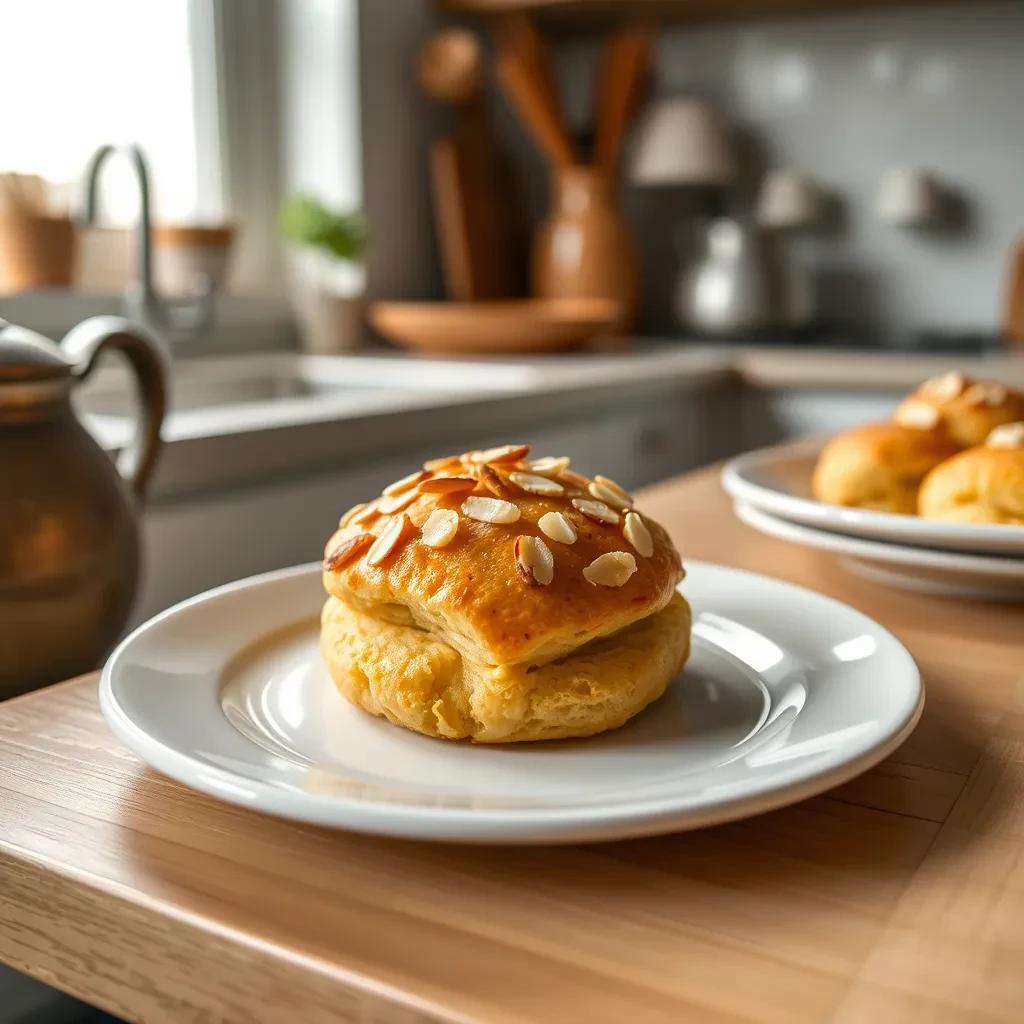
(141, 299)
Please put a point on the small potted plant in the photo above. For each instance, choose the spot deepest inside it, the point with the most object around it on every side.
(328, 276)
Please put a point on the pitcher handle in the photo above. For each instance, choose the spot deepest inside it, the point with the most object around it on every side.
(145, 354)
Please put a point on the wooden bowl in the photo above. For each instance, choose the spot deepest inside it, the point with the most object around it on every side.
(498, 326)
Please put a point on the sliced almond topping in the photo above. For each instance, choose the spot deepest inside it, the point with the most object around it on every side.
(406, 482)
(573, 479)
(445, 462)
(490, 510)
(347, 550)
(549, 466)
(975, 394)
(995, 394)
(440, 528)
(351, 514)
(596, 510)
(1009, 435)
(447, 484)
(943, 388)
(621, 491)
(389, 539)
(391, 503)
(557, 527)
(607, 495)
(918, 415)
(537, 484)
(985, 393)
(490, 479)
(534, 561)
(636, 532)
(611, 569)
(360, 515)
(505, 453)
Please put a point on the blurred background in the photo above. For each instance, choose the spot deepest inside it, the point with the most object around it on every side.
(361, 234)
(879, 138)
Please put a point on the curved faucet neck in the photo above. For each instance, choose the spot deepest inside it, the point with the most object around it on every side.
(142, 298)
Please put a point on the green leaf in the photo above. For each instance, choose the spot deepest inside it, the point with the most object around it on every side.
(305, 220)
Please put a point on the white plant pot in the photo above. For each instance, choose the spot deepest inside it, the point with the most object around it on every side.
(327, 296)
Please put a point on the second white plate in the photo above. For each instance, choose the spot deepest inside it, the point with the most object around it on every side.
(787, 693)
(949, 573)
(778, 481)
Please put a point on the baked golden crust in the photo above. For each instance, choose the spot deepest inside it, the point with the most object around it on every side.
(473, 592)
(878, 466)
(968, 410)
(980, 485)
(416, 680)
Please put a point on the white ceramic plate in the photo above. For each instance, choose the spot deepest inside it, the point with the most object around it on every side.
(787, 693)
(778, 481)
(949, 573)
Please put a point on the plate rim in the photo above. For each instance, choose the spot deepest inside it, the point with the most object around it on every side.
(993, 566)
(500, 825)
(856, 522)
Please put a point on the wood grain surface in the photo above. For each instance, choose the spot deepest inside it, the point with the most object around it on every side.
(897, 897)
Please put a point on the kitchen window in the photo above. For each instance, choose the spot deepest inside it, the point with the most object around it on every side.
(194, 82)
(111, 71)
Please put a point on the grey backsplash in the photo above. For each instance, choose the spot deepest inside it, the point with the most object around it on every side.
(846, 97)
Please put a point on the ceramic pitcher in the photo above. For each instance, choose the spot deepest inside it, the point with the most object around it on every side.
(69, 542)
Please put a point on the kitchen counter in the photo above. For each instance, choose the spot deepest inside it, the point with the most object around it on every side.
(368, 406)
(264, 450)
(898, 896)
(864, 370)
(776, 366)
(329, 411)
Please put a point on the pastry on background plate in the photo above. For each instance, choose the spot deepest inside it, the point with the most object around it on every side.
(980, 485)
(967, 410)
(879, 466)
(495, 598)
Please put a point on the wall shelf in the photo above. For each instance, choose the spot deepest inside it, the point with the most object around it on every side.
(572, 15)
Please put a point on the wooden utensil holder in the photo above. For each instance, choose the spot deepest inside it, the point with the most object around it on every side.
(584, 248)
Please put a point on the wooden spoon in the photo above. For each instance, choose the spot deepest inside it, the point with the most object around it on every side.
(450, 66)
(622, 83)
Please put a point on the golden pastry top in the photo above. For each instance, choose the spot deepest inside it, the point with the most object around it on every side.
(966, 409)
(507, 558)
(981, 485)
(879, 465)
(1008, 435)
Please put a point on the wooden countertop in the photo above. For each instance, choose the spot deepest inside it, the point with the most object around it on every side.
(897, 897)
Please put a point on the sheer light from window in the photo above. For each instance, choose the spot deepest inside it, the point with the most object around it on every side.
(86, 73)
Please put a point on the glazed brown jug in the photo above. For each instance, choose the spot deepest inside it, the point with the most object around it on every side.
(584, 250)
(69, 542)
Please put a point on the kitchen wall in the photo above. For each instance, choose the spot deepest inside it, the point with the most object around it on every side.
(845, 97)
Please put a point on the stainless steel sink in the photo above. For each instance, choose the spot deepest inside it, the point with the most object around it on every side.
(229, 394)
(190, 394)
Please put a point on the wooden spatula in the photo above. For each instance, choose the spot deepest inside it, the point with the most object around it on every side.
(622, 84)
